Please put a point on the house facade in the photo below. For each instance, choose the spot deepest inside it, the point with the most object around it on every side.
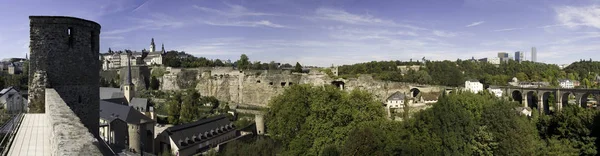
(566, 83)
(117, 60)
(473, 86)
(396, 100)
(12, 100)
(122, 126)
(196, 137)
(495, 91)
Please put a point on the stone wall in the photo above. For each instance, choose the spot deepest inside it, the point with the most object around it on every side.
(67, 50)
(140, 76)
(68, 136)
(258, 87)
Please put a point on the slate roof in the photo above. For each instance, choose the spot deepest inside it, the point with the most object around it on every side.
(111, 111)
(140, 104)
(187, 131)
(430, 96)
(115, 95)
(473, 80)
(3, 91)
(520, 109)
(564, 80)
(396, 96)
(110, 93)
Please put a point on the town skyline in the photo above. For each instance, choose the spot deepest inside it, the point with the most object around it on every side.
(331, 32)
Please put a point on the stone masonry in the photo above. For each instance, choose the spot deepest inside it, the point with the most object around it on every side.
(66, 49)
(258, 87)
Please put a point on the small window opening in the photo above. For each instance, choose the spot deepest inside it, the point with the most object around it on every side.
(282, 84)
(258, 81)
(70, 33)
(290, 83)
(92, 45)
(79, 99)
(270, 83)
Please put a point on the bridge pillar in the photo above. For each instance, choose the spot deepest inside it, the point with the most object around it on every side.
(524, 101)
(540, 103)
(260, 124)
(558, 101)
(578, 97)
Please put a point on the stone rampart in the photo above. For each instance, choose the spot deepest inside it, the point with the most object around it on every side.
(68, 135)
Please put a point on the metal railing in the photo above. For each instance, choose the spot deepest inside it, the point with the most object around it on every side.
(10, 129)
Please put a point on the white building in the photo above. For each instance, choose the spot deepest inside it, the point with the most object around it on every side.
(12, 101)
(117, 60)
(566, 83)
(494, 60)
(473, 86)
(524, 111)
(396, 100)
(495, 90)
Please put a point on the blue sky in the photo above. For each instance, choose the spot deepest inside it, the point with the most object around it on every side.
(325, 32)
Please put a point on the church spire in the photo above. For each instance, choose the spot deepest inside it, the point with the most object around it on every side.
(163, 48)
(152, 46)
(128, 88)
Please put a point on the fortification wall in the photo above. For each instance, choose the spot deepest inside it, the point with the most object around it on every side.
(66, 49)
(68, 136)
(140, 76)
(257, 87)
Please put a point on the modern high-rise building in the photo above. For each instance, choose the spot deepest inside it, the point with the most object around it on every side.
(533, 54)
(519, 56)
(503, 56)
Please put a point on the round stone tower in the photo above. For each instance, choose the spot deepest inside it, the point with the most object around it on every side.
(66, 49)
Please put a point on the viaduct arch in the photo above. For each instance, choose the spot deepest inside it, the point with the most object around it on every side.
(544, 98)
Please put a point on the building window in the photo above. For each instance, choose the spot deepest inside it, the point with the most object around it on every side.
(79, 99)
(92, 45)
(70, 33)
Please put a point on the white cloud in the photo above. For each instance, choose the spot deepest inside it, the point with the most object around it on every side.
(112, 37)
(508, 29)
(443, 33)
(349, 18)
(262, 23)
(475, 24)
(155, 22)
(233, 11)
(579, 16)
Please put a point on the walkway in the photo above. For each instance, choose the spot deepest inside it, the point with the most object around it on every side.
(33, 137)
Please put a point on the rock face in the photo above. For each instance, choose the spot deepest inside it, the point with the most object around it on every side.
(258, 87)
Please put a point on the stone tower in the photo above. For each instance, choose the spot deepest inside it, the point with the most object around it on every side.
(152, 47)
(128, 87)
(64, 54)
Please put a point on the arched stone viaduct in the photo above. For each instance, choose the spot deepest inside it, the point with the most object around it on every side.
(539, 97)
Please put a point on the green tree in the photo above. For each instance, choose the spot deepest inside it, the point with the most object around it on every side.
(219, 63)
(364, 141)
(306, 118)
(243, 63)
(586, 83)
(406, 108)
(522, 76)
(272, 65)
(298, 68)
(154, 83)
(174, 109)
(189, 107)
(330, 150)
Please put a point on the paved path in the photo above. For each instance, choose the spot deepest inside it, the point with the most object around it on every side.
(33, 137)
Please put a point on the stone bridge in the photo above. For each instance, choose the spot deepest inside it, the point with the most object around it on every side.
(539, 97)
